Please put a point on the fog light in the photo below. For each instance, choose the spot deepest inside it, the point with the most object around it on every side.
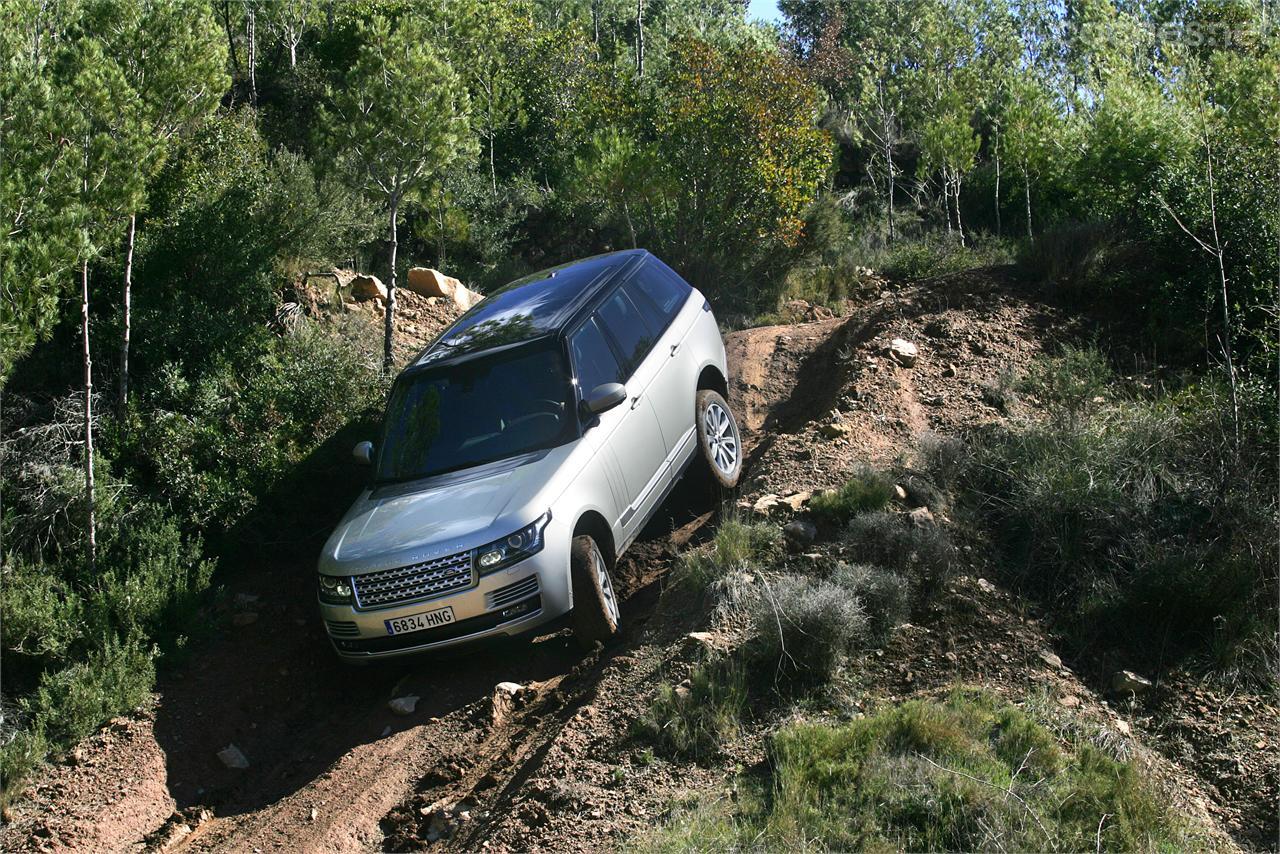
(489, 559)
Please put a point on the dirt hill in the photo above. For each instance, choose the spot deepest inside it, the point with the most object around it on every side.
(553, 765)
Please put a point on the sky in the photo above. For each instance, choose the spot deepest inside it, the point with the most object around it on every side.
(766, 10)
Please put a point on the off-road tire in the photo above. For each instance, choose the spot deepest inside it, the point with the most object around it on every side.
(593, 618)
(718, 438)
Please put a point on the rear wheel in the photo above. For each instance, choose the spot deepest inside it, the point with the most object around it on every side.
(595, 602)
(718, 438)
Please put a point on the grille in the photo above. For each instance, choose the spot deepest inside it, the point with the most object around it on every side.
(340, 628)
(409, 583)
(504, 596)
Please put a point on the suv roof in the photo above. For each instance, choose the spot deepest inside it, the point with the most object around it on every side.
(535, 306)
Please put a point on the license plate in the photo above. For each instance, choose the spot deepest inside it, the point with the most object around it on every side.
(418, 622)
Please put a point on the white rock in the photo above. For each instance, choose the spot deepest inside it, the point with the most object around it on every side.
(432, 283)
(921, 517)
(233, 757)
(511, 688)
(903, 352)
(403, 705)
(1128, 682)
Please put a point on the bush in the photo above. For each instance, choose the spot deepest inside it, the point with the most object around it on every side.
(804, 628)
(921, 554)
(885, 597)
(967, 774)
(936, 254)
(865, 491)
(1135, 519)
(696, 719)
(737, 546)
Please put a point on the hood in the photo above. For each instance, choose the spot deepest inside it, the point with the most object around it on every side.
(411, 522)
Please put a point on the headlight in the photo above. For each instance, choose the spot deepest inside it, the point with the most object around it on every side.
(335, 590)
(516, 547)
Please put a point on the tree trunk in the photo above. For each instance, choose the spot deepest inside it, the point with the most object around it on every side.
(92, 521)
(389, 323)
(128, 313)
(1219, 252)
(231, 42)
(595, 25)
(253, 55)
(1026, 183)
(293, 53)
(946, 201)
(626, 212)
(955, 194)
(888, 159)
(639, 38)
(996, 140)
(440, 260)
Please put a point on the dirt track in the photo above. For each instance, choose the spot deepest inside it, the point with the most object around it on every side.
(332, 769)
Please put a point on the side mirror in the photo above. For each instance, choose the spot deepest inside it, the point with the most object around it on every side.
(605, 397)
(363, 453)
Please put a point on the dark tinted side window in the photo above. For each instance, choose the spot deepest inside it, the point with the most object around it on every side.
(593, 360)
(629, 329)
(659, 285)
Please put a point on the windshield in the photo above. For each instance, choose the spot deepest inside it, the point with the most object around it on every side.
(476, 412)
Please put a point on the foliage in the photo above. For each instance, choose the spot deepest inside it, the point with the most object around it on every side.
(922, 554)
(867, 490)
(803, 628)
(1137, 517)
(968, 773)
(694, 720)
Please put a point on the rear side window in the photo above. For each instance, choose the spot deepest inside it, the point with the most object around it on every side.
(659, 286)
(630, 331)
(593, 359)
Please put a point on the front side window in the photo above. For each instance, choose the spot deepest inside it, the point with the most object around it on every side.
(593, 360)
(630, 331)
(477, 412)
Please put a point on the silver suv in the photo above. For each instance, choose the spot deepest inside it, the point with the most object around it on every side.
(522, 452)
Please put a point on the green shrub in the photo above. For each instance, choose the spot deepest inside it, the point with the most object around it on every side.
(803, 628)
(1080, 259)
(737, 546)
(937, 254)
(885, 596)
(1135, 519)
(694, 720)
(967, 774)
(71, 703)
(1071, 384)
(921, 554)
(865, 491)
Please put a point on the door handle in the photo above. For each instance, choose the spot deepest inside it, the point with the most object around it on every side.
(635, 401)
(675, 348)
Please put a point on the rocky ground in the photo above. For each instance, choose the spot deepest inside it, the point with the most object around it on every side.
(529, 745)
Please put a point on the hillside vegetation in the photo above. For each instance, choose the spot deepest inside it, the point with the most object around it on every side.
(178, 406)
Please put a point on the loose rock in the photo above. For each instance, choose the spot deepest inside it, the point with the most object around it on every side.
(404, 705)
(1128, 682)
(799, 532)
(903, 352)
(368, 287)
(921, 517)
(233, 757)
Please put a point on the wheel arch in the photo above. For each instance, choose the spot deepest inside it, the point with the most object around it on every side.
(711, 377)
(593, 524)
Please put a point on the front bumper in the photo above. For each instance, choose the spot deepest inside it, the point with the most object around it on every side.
(511, 601)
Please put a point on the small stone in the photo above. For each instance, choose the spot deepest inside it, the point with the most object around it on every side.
(244, 618)
(836, 429)
(921, 517)
(233, 757)
(1069, 701)
(796, 501)
(903, 352)
(404, 705)
(986, 586)
(949, 371)
(765, 504)
(1050, 659)
(386, 731)
(706, 639)
(1128, 682)
(799, 532)
(311, 816)
(1122, 727)
(899, 492)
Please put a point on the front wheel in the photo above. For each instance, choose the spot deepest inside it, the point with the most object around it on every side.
(718, 438)
(595, 602)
